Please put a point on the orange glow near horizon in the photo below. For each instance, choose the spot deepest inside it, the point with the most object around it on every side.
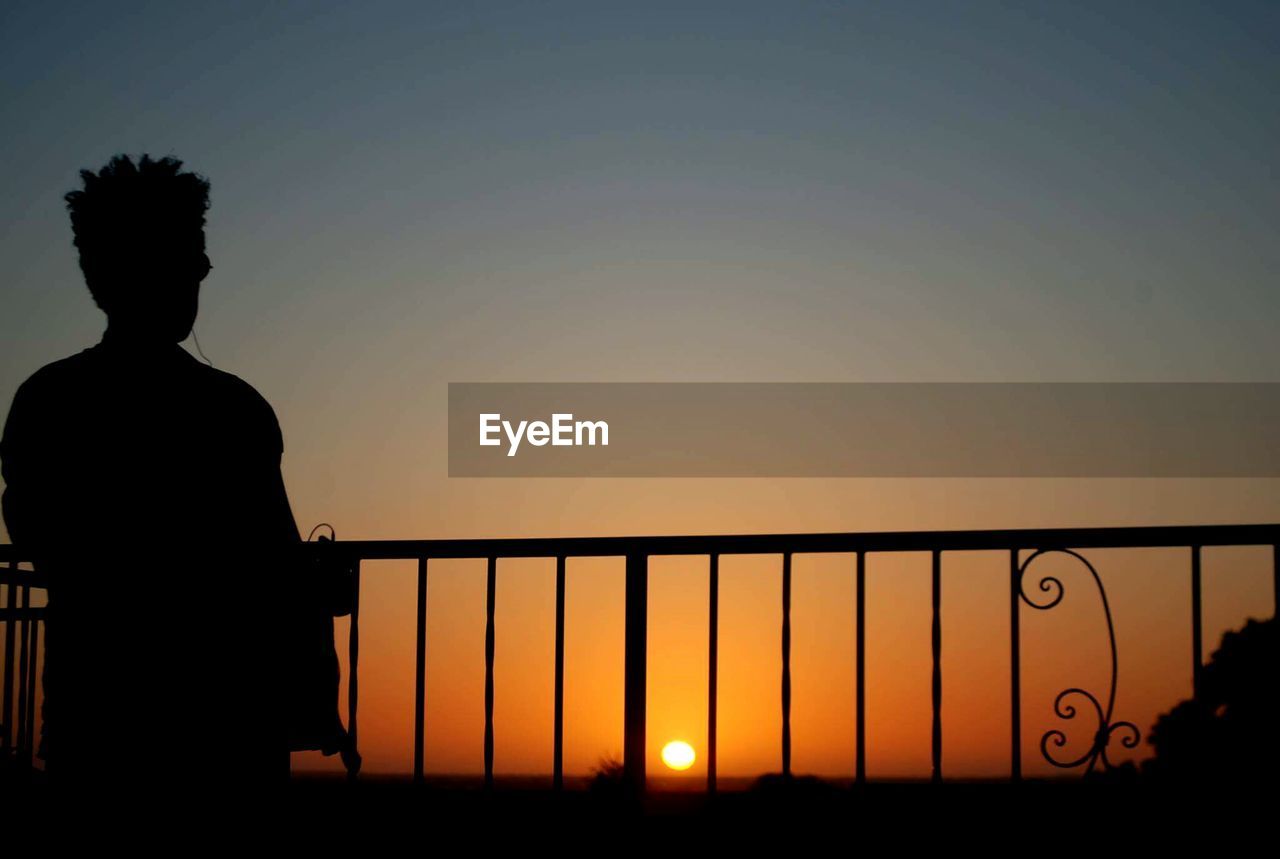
(1062, 647)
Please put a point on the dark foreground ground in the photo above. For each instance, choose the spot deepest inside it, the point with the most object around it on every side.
(382, 813)
(884, 814)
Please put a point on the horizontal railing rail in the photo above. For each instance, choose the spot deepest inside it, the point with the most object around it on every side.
(1024, 546)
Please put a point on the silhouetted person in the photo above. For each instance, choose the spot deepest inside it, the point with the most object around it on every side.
(149, 486)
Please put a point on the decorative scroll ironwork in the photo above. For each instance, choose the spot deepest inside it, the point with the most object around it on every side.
(1065, 710)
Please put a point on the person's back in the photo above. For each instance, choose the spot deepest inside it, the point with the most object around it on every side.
(149, 484)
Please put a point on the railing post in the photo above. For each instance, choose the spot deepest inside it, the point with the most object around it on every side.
(860, 632)
(30, 728)
(634, 672)
(1015, 668)
(557, 742)
(6, 722)
(937, 665)
(420, 674)
(24, 636)
(713, 663)
(786, 664)
(490, 593)
(1197, 645)
(353, 661)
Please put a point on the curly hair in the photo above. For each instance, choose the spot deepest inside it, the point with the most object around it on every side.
(127, 210)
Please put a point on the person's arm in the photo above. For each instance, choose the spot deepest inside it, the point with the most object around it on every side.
(327, 581)
(280, 523)
(25, 500)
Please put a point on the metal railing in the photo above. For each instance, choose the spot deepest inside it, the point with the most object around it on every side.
(21, 632)
(1024, 547)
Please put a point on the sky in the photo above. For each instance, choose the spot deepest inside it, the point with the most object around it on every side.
(410, 194)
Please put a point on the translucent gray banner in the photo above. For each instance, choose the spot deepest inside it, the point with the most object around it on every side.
(864, 429)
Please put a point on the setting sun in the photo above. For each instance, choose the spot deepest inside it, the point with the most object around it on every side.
(678, 755)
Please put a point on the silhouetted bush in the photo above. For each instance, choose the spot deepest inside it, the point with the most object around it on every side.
(607, 777)
(1122, 774)
(1227, 732)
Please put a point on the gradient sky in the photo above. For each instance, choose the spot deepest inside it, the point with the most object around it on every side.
(408, 194)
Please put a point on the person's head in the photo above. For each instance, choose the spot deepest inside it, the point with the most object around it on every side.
(139, 229)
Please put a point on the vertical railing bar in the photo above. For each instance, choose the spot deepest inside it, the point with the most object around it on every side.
(557, 753)
(24, 631)
(420, 676)
(1015, 667)
(490, 593)
(6, 723)
(860, 693)
(786, 664)
(353, 661)
(1197, 648)
(937, 665)
(30, 727)
(635, 672)
(713, 664)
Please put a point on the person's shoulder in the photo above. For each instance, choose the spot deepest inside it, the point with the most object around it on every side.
(231, 385)
(239, 396)
(63, 370)
(39, 401)
(240, 392)
(55, 379)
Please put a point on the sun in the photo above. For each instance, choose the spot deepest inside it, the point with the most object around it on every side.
(678, 755)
